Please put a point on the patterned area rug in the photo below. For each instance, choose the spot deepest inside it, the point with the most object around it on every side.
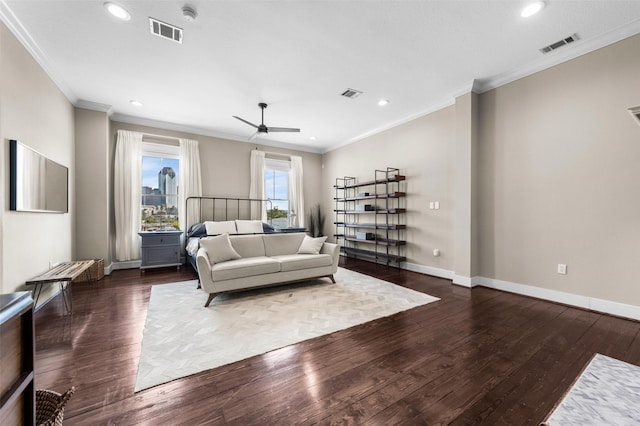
(606, 393)
(182, 337)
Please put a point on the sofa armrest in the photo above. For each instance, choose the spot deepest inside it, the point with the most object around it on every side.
(333, 250)
(204, 270)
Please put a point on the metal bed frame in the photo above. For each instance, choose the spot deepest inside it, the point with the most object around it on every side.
(221, 209)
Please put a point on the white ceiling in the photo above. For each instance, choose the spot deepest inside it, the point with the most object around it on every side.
(299, 56)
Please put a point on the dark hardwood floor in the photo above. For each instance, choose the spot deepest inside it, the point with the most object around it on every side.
(476, 357)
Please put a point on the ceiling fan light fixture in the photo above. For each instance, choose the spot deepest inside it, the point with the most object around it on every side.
(117, 11)
(532, 8)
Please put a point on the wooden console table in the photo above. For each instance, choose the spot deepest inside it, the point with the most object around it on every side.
(62, 274)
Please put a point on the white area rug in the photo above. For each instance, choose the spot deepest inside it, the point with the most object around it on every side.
(182, 337)
(606, 393)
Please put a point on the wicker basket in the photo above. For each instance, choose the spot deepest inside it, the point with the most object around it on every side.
(95, 273)
(50, 406)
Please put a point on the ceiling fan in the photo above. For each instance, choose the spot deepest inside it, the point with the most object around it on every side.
(262, 128)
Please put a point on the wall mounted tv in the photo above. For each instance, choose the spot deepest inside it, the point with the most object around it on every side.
(37, 184)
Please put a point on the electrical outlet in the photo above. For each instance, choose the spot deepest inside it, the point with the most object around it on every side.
(431, 205)
(436, 205)
(562, 268)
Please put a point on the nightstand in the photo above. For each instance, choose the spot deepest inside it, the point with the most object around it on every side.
(160, 249)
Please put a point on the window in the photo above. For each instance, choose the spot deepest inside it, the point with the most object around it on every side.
(160, 171)
(276, 188)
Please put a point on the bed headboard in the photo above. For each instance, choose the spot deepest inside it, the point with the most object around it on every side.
(200, 209)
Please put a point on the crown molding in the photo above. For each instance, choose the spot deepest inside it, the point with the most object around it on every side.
(431, 109)
(122, 118)
(556, 57)
(94, 106)
(20, 32)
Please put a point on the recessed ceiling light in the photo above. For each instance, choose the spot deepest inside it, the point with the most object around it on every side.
(118, 11)
(532, 9)
(313, 138)
(189, 13)
(383, 102)
(135, 103)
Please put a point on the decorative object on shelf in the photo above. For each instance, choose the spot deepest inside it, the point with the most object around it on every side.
(365, 235)
(382, 213)
(315, 219)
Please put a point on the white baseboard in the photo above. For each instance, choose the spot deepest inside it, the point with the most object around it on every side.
(129, 264)
(579, 301)
(108, 269)
(428, 270)
(585, 302)
(462, 280)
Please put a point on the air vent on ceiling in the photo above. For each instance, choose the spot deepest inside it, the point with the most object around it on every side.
(351, 93)
(635, 112)
(164, 30)
(559, 43)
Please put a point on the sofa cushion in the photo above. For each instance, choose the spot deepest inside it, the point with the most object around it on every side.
(245, 267)
(219, 228)
(248, 245)
(294, 262)
(311, 245)
(249, 226)
(279, 244)
(219, 249)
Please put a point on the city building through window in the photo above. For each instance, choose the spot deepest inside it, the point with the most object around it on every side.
(160, 171)
(276, 188)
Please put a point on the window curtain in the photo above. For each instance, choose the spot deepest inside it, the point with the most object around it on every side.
(256, 189)
(296, 197)
(190, 183)
(127, 193)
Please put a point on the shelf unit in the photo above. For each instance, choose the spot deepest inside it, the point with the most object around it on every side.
(369, 216)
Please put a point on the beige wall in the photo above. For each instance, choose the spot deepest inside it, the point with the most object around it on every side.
(560, 177)
(423, 150)
(538, 172)
(92, 179)
(225, 163)
(34, 111)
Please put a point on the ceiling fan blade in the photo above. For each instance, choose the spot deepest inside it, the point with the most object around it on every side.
(253, 137)
(245, 121)
(283, 129)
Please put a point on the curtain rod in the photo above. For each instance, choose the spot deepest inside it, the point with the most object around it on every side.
(276, 154)
(151, 135)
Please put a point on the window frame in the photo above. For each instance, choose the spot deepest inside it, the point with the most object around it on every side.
(273, 164)
(161, 150)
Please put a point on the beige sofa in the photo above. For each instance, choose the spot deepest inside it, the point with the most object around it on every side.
(229, 263)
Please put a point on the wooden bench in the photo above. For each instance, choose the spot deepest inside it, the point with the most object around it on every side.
(63, 274)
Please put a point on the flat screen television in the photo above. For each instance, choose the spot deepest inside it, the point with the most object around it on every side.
(37, 184)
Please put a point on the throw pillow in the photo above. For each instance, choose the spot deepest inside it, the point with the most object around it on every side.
(219, 249)
(219, 228)
(249, 226)
(311, 245)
